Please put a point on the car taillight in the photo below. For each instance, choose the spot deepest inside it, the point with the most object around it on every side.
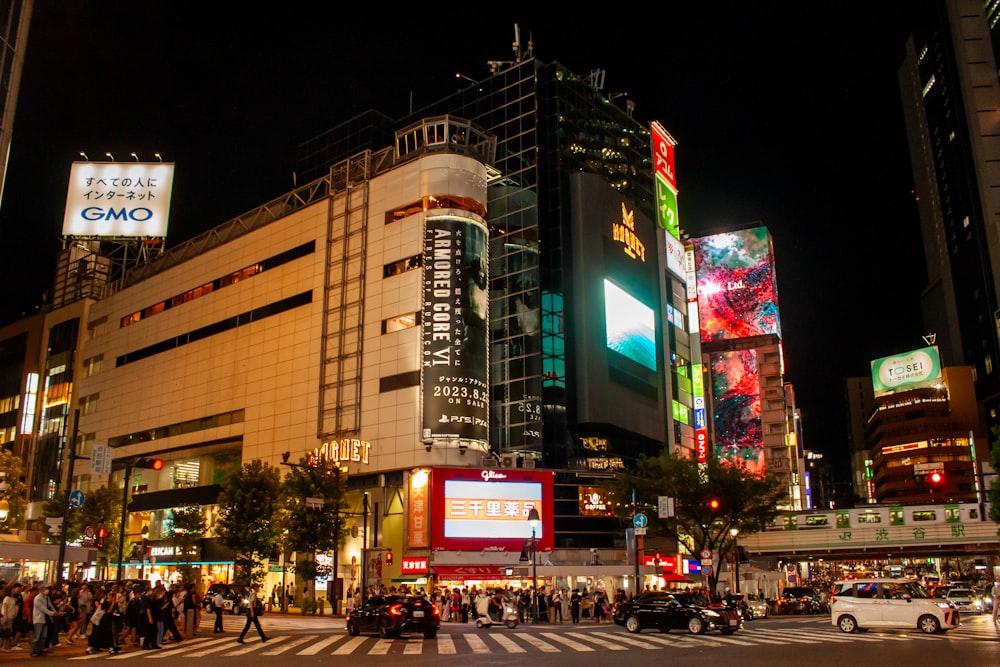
(435, 611)
(396, 610)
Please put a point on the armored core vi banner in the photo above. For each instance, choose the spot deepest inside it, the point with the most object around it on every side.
(455, 325)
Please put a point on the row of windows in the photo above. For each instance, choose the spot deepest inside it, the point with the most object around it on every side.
(189, 426)
(218, 283)
(431, 202)
(227, 324)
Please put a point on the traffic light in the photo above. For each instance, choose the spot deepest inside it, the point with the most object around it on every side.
(388, 558)
(155, 464)
(713, 504)
(102, 532)
(936, 478)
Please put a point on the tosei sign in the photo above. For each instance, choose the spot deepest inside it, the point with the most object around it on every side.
(118, 199)
(905, 370)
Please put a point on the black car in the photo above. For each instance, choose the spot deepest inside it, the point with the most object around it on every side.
(676, 611)
(391, 615)
(799, 600)
(235, 598)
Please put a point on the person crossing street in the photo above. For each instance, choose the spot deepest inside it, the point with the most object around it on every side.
(254, 608)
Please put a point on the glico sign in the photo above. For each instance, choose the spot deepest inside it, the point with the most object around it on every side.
(118, 199)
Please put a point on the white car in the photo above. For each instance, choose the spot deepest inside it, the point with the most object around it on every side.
(860, 604)
(965, 600)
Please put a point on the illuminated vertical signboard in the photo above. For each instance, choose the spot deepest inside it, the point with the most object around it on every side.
(736, 391)
(455, 322)
(418, 533)
(665, 179)
(700, 418)
(737, 290)
(118, 199)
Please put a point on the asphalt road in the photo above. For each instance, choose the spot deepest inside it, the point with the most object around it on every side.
(775, 641)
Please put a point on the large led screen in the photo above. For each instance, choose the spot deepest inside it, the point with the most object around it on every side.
(737, 291)
(478, 509)
(739, 434)
(630, 326)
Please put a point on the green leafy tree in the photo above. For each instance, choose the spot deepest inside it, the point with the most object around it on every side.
(993, 489)
(248, 520)
(15, 494)
(186, 530)
(315, 529)
(102, 505)
(706, 507)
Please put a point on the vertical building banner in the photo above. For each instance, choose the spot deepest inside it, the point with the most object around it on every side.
(738, 427)
(418, 535)
(455, 354)
(665, 179)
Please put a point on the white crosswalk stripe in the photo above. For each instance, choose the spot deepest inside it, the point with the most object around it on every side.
(320, 645)
(476, 644)
(507, 643)
(541, 645)
(559, 639)
(446, 645)
(585, 636)
(295, 641)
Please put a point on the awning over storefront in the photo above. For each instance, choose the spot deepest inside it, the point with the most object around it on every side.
(45, 552)
(522, 571)
(475, 571)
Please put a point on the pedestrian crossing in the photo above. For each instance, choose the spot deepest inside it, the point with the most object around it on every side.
(461, 641)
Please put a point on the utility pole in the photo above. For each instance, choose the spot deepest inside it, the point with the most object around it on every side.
(66, 491)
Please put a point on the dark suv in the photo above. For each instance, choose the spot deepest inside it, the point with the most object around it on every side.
(390, 615)
(235, 598)
(799, 600)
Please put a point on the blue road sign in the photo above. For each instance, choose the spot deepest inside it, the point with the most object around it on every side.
(76, 498)
(640, 520)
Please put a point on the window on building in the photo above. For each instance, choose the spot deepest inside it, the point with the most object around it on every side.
(400, 322)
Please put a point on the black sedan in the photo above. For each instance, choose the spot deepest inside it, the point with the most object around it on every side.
(676, 611)
(799, 600)
(391, 615)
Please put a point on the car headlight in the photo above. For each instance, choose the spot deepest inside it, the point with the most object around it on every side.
(944, 605)
(709, 612)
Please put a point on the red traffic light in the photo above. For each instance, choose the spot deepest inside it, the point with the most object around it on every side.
(936, 477)
(713, 504)
(154, 464)
(388, 558)
(102, 532)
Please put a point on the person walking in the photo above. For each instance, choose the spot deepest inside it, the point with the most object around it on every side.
(254, 608)
(219, 607)
(42, 610)
(191, 604)
(574, 606)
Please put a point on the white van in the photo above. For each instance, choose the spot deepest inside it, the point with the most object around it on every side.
(860, 604)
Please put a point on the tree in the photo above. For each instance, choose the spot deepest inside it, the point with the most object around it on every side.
(15, 496)
(993, 489)
(187, 527)
(248, 521)
(103, 505)
(706, 507)
(316, 527)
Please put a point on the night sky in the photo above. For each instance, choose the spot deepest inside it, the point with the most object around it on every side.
(788, 116)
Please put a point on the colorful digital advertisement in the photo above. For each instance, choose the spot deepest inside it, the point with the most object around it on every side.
(737, 291)
(736, 400)
(630, 324)
(478, 509)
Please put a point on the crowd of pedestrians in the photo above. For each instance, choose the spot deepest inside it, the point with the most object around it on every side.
(105, 617)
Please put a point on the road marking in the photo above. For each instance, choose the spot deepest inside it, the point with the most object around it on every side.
(585, 637)
(290, 645)
(381, 647)
(413, 647)
(509, 644)
(446, 645)
(576, 646)
(677, 641)
(477, 644)
(212, 647)
(624, 639)
(542, 646)
(320, 645)
(250, 648)
(349, 646)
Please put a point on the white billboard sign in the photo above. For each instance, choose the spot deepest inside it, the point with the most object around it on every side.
(118, 199)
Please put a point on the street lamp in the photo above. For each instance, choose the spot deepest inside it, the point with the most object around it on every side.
(736, 548)
(536, 523)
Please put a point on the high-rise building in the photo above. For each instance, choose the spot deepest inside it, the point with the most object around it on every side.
(16, 17)
(951, 102)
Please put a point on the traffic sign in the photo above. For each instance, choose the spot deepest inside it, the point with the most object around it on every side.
(76, 498)
(706, 569)
(640, 520)
(706, 553)
(90, 531)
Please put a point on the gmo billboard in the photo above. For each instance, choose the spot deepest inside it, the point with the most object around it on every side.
(906, 371)
(737, 289)
(118, 199)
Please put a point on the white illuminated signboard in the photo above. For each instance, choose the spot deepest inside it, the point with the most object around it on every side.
(118, 199)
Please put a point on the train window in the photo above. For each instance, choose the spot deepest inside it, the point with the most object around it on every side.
(896, 517)
(843, 519)
(791, 522)
(869, 517)
(924, 515)
(817, 520)
(952, 514)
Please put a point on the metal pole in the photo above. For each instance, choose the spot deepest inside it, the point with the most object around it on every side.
(121, 528)
(534, 570)
(336, 545)
(364, 550)
(69, 483)
(736, 546)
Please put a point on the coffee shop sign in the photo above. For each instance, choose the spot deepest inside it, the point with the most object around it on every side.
(338, 451)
